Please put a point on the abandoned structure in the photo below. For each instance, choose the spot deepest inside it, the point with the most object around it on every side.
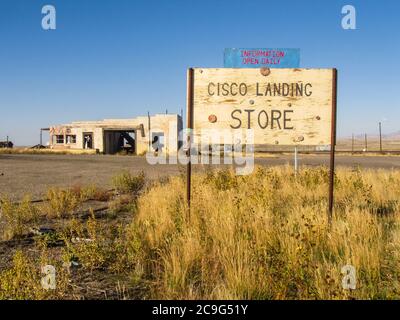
(138, 135)
(6, 144)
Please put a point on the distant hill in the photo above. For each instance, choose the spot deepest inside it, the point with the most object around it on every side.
(394, 135)
(391, 136)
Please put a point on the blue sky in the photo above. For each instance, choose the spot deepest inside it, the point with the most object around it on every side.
(117, 59)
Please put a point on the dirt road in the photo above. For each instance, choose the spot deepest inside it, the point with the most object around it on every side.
(21, 173)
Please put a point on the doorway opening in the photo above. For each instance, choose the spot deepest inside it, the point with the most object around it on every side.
(88, 140)
(157, 141)
(116, 141)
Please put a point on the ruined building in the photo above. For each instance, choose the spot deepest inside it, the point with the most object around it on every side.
(138, 135)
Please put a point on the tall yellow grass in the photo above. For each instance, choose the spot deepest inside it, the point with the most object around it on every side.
(266, 236)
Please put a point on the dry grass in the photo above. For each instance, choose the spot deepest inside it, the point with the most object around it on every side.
(126, 182)
(266, 236)
(263, 236)
(62, 202)
(22, 281)
(77, 245)
(17, 217)
(20, 150)
(89, 244)
(91, 192)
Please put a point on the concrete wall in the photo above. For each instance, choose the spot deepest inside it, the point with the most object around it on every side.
(169, 125)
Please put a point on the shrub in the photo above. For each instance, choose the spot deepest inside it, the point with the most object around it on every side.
(122, 203)
(62, 202)
(91, 192)
(95, 246)
(18, 217)
(128, 183)
(22, 281)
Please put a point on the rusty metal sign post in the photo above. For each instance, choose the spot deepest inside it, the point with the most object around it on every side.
(189, 115)
(333, 144)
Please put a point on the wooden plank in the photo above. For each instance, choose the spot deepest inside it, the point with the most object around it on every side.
(283, 106)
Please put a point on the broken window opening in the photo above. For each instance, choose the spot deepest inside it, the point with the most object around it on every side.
(59, 139)
(71, 139)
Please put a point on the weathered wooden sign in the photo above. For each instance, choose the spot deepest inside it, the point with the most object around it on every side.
(283, 106)
(261, 57)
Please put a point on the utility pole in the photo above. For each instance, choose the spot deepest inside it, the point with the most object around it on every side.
(148, 118)
(366, 143)
(380, 136)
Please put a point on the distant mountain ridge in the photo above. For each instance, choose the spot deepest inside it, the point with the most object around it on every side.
(394, 135)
